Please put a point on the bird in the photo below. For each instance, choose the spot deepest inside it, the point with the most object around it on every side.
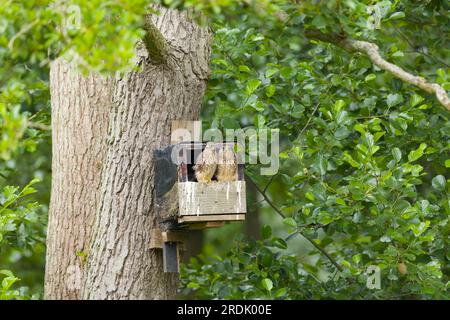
(227, 164)
(206, 163)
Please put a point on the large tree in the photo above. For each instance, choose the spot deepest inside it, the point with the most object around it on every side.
(104, 132)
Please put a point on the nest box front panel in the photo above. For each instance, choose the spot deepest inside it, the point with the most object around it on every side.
(211, 198)
(179, 194)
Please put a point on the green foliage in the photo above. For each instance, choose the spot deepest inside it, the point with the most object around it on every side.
(8, 279)
(251, 270)
(98, 37)
(20, 228)
(364, 156)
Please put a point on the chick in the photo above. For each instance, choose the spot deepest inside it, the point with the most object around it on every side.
(227, 164)
(206, 163)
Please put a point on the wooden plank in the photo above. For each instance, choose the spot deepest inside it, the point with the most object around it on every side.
(156, 239)
(205, 225)
(212, 217)
(174, 236)
(211, 198)
(185, 130)
(214, 224)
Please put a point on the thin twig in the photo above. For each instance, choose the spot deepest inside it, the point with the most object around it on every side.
(267, 198)
(258, 202)
(270, 181)
(309, 120)
(277, 210)
(323, 251)
(21, 32)
(39, 126)
(415, 50)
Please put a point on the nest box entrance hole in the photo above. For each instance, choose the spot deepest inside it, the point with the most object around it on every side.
(189, 153)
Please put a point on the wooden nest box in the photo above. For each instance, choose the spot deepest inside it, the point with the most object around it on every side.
(181, 199)
(181, 202)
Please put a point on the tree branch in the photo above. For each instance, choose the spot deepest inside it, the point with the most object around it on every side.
(277, 210)
(21, 32)
(269, 202)
(39, 126)
(372, 51)
(154, 42)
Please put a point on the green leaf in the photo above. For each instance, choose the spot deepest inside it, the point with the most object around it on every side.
(420, 228)
(415, 100)
(394, 99)
(279, 243)
(219, 61)
(270, 72)
(266, 231)
(290, 222)
(267, 284)
(193, 285)
(447, 163)
(356, 258)
(370, 77)
(257, 105)
(270, 90)
(319, 22)
(350, 160)
(416, 154)
(7, 273)
(297, 111)
(360, 128)
(280, 293)
(438, 182)
(310, 196)
(378, 135)
(440, 72)
(397, 15)
(286, 72)
(252, 85)
(397, 154)
(243, 68)
(338, 105)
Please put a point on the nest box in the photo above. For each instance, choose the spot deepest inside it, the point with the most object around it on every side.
(181, 199)
(181, 202)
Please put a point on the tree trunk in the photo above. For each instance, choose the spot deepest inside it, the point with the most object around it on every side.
(104, 134)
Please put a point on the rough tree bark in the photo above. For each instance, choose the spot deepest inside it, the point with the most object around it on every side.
(104, 134)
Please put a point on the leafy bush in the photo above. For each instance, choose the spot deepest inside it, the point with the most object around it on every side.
(20, 230)
(364, 156)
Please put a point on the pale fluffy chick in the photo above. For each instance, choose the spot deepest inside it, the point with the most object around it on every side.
(206, 163)
(227, 164)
